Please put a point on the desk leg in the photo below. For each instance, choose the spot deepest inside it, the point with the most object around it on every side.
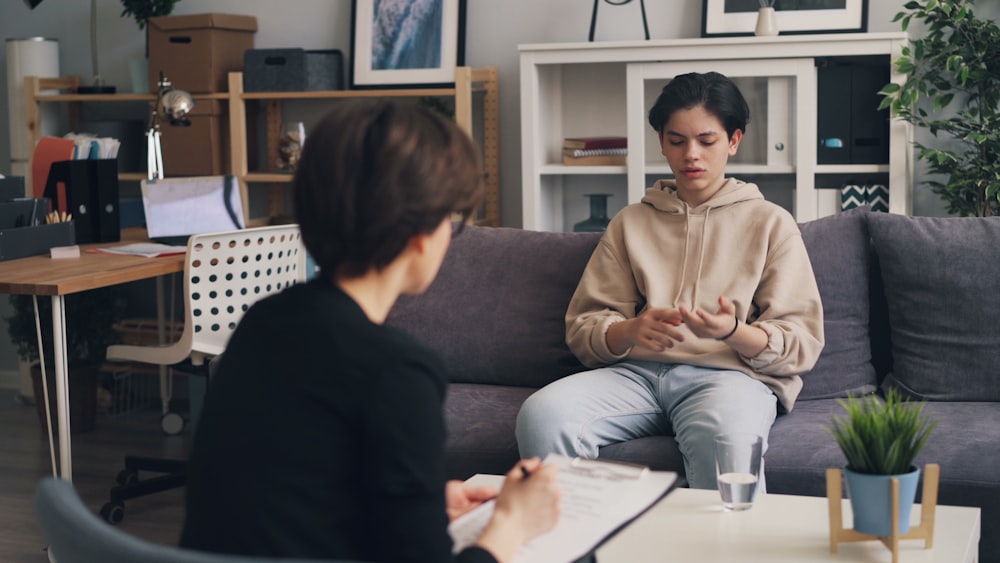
(62, 387)
(166, 378)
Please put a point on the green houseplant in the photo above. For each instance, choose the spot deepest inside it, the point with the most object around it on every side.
(952, 88)
(90, 317)
(142, 10)
(880, 440)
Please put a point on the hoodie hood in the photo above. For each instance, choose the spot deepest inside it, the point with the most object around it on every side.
(663, 196)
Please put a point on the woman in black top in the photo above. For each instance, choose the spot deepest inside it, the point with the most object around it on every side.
(322, 433)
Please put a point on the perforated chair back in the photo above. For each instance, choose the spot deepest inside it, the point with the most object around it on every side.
(227, 272)
(224, 274)
(76, 535)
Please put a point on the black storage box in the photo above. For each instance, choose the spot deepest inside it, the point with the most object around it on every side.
(292, 70)
(11, 187)
(29, 241)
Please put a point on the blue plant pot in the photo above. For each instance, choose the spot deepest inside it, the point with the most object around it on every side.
(871, 501)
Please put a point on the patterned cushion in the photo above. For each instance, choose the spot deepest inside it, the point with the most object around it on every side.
(838, 247)
(942, 287)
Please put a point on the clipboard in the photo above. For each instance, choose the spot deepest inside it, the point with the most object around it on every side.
(599, 499)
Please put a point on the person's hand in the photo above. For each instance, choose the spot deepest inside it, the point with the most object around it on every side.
(709, 325)
(654, 329)
(529, 505)
(460, 497)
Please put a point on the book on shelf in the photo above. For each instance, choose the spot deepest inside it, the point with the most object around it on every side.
(605, 142)
(577, 153)
(596, 160)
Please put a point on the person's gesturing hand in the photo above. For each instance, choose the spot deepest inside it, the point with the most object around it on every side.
(709, 325)
(654, 329)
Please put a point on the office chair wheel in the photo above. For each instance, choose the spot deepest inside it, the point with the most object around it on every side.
(127, 477)
(172, 423)
(113, 512)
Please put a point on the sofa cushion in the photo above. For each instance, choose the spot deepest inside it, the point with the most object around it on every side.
(496, 311)
(941, 287)
(838, 248)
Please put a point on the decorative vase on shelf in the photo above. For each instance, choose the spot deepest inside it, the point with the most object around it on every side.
(598, 220)
(767, 22)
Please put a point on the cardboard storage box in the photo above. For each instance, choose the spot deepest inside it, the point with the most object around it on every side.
(195, 52)
(292, 70)
(200, 149)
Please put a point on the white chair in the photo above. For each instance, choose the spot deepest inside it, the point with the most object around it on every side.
(224, 274)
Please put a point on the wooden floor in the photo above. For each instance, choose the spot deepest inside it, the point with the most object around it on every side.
(97, 458)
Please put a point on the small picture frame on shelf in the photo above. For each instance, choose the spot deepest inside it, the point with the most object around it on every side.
(727, 18)
(406, 43)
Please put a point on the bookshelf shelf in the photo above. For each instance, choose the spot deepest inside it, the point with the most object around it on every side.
(606, 88)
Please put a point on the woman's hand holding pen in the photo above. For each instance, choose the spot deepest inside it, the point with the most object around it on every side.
(529, 504)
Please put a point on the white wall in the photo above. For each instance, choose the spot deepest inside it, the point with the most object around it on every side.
(494, 30)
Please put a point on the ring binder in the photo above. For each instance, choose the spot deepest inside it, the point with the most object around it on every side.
(88, 190)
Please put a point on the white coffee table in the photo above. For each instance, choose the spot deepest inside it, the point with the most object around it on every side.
(689, 526)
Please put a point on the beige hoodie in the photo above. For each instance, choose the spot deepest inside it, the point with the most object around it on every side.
(662, 253)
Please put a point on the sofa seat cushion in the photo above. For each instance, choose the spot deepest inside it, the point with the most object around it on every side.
(496, 311)
(941, 279)
(838, 247)
(659, 453)
(480, 420)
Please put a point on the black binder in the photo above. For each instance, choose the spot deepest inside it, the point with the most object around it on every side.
(88, 190)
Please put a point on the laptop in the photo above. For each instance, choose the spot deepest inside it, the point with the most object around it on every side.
(177, 208)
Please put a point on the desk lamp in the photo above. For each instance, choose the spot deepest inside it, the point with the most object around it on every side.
(175, 105)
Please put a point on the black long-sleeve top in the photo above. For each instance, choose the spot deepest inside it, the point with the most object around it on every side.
(322, 436)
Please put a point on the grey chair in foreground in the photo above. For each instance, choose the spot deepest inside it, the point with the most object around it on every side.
(77, 535)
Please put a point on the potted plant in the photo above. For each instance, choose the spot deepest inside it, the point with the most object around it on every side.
(955, 65)
(880, 440)
(141, 11)
(90, 317)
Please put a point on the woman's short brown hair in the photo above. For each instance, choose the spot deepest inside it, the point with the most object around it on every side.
(375, 172)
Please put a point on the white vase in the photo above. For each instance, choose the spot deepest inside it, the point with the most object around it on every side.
(767, 22)
(138, 68)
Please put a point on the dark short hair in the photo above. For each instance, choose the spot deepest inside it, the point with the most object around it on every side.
(711, 90)
(374, 173)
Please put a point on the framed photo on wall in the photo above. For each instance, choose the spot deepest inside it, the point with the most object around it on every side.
(406, 43)
(722, 18)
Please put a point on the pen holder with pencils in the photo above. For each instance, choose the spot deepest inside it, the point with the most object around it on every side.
(87, 192)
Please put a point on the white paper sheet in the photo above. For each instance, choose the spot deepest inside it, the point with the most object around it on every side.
(599, 497)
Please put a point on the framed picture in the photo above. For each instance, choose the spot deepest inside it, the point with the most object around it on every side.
(406, 43)
(721, 18)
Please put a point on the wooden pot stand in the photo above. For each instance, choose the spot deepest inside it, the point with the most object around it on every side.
(924, 531)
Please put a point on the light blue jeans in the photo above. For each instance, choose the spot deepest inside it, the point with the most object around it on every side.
(576, 415)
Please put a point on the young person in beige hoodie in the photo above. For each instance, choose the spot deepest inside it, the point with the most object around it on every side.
(698, 310)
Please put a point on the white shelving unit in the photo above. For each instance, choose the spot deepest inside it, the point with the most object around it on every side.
(606, 88)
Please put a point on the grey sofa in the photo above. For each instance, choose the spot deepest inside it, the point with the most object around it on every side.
(908, 301)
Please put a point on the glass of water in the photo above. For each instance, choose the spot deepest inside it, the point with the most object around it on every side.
(737, 464)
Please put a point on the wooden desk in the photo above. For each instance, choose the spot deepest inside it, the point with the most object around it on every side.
(43, 276)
